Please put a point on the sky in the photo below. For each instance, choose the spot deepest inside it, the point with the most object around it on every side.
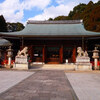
(24, 10)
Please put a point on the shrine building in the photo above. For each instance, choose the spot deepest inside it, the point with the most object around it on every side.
(53, 42)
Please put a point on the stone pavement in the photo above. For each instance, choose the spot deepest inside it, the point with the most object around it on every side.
(11, 78)
(43, 85)
(85, 85)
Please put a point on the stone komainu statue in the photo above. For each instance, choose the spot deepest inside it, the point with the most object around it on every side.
(81, 53)
(23, 52)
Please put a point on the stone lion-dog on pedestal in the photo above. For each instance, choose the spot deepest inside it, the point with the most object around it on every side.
(23, 52)
(81, 53)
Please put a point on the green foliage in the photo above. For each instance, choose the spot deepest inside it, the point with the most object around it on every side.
(61, 18)
(92, 17)
(3, 24)
(86, 15)
(90, 14)
(12, 27)
(50, 19)
(4, 27)
(77, 12)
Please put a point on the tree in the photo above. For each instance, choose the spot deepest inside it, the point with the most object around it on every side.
(12, 27)
(61, 18)
(77, 12)
(86, 18)
(50, 19)
(90, 14)
(95, 19)
(3, 24)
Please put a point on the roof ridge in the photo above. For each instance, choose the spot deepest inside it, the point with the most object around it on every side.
(55, 22)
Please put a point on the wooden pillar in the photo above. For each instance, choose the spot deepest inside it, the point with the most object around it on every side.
(44, 54)
(61, 54)
(86, 47)
(83, 43)
(22, 43)
(74, 55)
(5, 55)
(30, 52)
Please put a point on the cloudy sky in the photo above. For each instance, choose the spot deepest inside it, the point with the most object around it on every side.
(22, 10)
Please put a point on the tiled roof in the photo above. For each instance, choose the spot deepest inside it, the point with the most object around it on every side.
(53, 28)
(4, 42)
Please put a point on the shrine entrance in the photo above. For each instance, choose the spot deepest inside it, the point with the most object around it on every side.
(53, 55)
(37, 54)
(67, 54)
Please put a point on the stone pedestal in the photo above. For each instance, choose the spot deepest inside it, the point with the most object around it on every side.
(21, 66)
(9, 61)
(21, 62)
(83, 63)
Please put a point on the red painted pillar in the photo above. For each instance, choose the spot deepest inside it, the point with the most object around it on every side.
(43, 54)
(61, 54)
(74, 55)
(5, 54)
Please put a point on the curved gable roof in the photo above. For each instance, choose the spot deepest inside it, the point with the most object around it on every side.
(53, 28)
(4, 42)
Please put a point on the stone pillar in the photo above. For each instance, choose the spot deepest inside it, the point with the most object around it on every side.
(9, 61)
(95, 57)
(96, 63)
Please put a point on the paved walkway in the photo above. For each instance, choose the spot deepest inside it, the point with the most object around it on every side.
(85, 85)
(43, 85)
(11, 78)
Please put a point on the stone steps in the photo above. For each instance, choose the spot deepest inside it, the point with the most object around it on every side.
(53, 66)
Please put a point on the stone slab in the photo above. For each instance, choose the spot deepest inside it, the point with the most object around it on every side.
(21, 66)
(83, 67)
(86, 85)
(52, 67)
(11, 78)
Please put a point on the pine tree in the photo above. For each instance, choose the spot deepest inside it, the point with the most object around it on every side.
(3, 24)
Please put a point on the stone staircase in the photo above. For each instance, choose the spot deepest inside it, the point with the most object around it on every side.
(53, 66)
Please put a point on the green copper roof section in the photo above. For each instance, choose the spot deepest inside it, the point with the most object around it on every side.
(53, 29)
(4, 42)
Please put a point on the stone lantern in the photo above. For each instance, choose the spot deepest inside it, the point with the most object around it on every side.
(95, 57)
(9, 55)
